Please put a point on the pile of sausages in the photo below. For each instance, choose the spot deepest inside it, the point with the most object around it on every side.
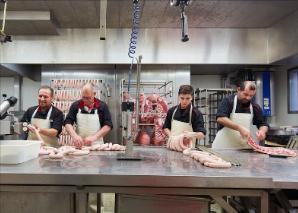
(271, 150)
(58, 153)
(106, 147)
(180, 142)
(207, 159)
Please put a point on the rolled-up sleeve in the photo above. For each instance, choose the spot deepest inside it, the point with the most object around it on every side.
(198, 122)
(105, 116)
(58, 122)
(167, 123)
(224, 109)
(71, 117)
(258, 119)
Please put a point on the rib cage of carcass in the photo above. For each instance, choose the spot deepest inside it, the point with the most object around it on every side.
(67, 91)
(155, 98)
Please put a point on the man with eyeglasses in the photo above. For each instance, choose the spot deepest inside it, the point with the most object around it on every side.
(44, 118)
(92, 118)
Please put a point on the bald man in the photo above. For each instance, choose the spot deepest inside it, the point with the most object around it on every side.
(92, 118)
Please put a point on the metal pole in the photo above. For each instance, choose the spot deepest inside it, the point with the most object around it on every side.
(4, 17)
(129, 155)
(139, 61)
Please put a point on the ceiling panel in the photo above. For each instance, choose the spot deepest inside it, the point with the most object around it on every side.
(159, 13)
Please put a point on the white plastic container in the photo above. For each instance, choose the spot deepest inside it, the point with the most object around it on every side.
(18, 151)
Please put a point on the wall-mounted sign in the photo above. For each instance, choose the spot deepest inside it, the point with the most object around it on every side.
(266, 94)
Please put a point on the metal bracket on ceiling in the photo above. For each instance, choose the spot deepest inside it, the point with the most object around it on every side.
(103, 20)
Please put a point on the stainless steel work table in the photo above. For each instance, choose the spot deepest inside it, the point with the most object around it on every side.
(160, 172)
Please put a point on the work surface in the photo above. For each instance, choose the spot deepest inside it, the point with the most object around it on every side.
(159, 168)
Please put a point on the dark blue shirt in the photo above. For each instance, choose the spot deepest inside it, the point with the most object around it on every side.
(226, 107)
(104, 115)
(56, 117)
(182, 115)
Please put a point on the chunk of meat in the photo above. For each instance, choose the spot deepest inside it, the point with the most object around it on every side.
(271, 150)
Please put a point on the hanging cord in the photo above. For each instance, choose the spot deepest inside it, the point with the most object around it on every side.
(136, 19)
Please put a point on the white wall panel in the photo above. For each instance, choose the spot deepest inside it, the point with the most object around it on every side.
(158, 46)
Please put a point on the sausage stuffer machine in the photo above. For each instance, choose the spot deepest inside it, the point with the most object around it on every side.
(8, 124)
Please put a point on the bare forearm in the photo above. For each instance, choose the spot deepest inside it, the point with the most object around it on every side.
(167, 131)
(263, 129)
(48, 132)
(200, 135)
(69, 128)
(103, 131)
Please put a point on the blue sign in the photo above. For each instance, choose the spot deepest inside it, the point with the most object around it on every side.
(266, 94)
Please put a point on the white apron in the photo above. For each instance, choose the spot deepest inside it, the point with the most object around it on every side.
(178, 127)
(227, 138)
(87, 125)
(43, 124)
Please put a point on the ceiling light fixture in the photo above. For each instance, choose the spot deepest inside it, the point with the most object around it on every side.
(184, 24)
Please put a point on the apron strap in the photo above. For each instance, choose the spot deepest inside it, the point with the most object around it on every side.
(174, 114)
(190, 114)
(235, 106)
(34, 113)
(48, 115)
(251, 109)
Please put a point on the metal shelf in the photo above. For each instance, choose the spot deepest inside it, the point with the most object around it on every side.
(207, 101)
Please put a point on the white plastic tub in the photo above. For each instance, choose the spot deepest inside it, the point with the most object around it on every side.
(18, 151)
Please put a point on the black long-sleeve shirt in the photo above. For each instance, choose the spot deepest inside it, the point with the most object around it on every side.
(104, 115)
(56, 117)
(182, 115)
(226, 107)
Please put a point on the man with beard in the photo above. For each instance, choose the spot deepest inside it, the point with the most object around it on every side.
(235, 116)
(44, 118)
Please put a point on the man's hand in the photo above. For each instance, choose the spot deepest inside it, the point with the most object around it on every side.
(77, 141)
(261, 135)
(187, 141)
(244, 132)
(33, 128)
(89, 140)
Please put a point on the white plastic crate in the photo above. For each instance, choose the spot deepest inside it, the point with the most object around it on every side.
(18, 151)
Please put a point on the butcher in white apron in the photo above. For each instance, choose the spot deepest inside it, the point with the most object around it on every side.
(236, 116)
(46, 118)
(184, 117)
(92, 118)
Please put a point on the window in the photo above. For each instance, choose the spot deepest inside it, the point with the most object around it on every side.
(293, 90)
